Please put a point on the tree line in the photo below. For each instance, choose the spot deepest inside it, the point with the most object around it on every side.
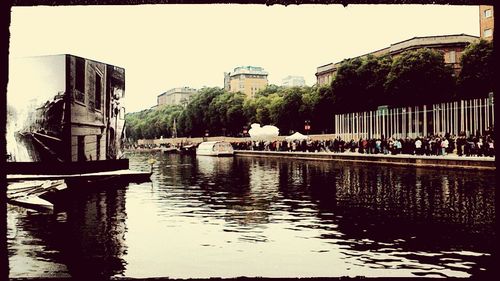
(410, 78)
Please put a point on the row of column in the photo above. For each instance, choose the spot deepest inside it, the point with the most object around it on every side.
(468, 116)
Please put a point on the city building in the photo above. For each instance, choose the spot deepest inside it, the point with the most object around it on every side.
(77, 116)
(486, 22)
(293, 81)
(176, 96)
(451, 46)
(246, 79)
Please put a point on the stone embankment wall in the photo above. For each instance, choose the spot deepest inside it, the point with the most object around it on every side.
(453, 162)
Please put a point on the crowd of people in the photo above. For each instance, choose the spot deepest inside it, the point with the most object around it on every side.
(461, 145)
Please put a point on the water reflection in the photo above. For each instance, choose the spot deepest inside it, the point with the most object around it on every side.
(83, 238)
(267, 217)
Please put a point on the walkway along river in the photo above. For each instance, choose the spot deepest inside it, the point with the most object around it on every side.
(270, 217)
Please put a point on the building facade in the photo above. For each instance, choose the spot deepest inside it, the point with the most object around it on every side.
(451, 46)
(293, 81)
(176, 96)
(79, 116)
(486, 22)
(246, 79)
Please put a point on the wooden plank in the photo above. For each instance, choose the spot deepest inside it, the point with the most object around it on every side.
(82, 176)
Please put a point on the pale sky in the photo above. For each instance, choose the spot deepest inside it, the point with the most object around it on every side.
(167, 46)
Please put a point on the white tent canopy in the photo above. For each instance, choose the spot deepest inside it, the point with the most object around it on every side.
(296, 136)
(267, 132)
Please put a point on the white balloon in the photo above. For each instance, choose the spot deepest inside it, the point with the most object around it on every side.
(263, 133)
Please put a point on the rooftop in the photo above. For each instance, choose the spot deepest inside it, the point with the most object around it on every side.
(183, 90)
(409, 44)
(254, 70)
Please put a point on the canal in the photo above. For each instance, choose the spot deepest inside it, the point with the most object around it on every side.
(230, 217)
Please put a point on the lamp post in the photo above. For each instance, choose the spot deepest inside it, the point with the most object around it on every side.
(206, 135)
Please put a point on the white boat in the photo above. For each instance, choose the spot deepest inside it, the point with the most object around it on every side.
(27, 193)
(215, 148)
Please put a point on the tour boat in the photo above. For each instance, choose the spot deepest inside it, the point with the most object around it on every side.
(215, 148)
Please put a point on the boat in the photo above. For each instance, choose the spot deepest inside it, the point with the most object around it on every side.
(189, 149)
(215, 148)
(28, 193)
(169, 149)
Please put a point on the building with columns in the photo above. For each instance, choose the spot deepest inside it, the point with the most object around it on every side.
(468, 117)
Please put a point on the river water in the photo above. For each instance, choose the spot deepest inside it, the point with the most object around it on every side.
(242, 216)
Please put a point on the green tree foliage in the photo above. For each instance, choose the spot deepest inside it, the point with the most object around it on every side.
(289, 113)
(359, 84)
(372, 75)
(226, 113)
(270, 89)
(346, 87)
(152, 123)
(418, 77)
(198, 116)
(321, 102)
(476, 78)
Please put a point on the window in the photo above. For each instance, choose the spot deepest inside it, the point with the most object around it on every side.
(81, 148)
(488, 13)
(453, 57)
(80, 80)
(488, 32)
(98, 91)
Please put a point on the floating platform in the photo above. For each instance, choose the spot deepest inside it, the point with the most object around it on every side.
(121, 175)
(75, 172)
(447, 161)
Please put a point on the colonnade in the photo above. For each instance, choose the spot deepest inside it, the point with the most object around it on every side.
(468, 116)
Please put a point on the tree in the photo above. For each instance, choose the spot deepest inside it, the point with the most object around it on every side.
(226, 113)
(346, 87)
(372, 75)
(289, 113)
(322, 102)
(476, 77)
(198, 117)
(270, 89)
(419, 77)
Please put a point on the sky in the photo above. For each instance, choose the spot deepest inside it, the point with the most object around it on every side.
(167, 46)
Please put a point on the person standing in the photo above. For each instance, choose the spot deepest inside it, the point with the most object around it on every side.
(444, 146)
(418, 146)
